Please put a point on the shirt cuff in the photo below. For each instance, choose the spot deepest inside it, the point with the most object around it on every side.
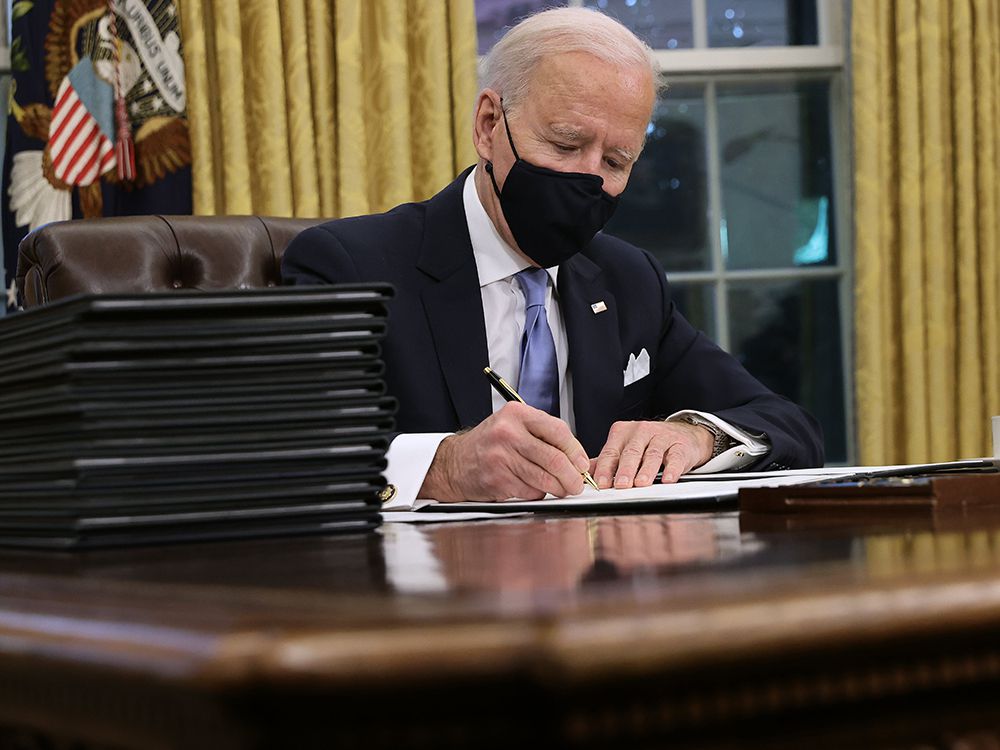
(408, 459)
(748, 447)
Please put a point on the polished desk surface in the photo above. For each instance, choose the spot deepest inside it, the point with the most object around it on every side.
(709, 630)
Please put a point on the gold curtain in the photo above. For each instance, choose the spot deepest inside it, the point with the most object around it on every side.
(326, 107)
(926, 94)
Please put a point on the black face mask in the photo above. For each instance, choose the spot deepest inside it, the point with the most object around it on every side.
(552, 215)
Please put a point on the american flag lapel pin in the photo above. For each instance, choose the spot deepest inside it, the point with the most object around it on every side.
(599, 307)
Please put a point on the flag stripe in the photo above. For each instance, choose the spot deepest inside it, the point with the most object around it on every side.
(65, 92)
(108, 158)
(70, 143)
(85, 144)
(103, 160)
(71, 150)
(74, 112)
(91, 170)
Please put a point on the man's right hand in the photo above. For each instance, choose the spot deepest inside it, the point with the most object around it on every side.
(519, 451)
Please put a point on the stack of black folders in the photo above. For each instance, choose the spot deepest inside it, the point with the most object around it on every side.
(188, 416)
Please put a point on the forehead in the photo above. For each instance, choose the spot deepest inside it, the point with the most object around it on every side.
(577, 87)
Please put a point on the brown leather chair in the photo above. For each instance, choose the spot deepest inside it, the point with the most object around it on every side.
(131, 254)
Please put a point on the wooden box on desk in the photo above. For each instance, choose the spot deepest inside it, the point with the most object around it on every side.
(940, 499)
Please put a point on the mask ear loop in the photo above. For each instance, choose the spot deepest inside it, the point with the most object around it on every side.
(506, 126)
(510, 140)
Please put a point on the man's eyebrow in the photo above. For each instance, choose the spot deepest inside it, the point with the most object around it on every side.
(572, 134)
(568, 132)
(625, 154)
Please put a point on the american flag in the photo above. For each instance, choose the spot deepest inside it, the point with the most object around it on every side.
(81, 135)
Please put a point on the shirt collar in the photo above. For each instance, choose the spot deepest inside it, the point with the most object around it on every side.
(495, 259)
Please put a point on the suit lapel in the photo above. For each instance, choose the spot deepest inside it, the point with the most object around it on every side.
(454, 305)
(594, 350)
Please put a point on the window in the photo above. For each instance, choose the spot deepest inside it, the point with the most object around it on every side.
(741, 189)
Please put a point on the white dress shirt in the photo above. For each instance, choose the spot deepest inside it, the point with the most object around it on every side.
(410, 455)
(503, 304)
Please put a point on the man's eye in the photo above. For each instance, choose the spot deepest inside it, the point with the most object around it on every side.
(616, 165)
(565, 149)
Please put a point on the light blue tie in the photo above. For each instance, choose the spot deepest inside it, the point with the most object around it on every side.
(538, 382)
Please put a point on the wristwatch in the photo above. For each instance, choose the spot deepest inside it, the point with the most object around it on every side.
(723, 441)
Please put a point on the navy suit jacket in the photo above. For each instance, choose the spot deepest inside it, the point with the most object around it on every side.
(435, 349)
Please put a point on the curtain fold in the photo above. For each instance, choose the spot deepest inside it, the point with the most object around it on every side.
(926, 220)
(327, 107)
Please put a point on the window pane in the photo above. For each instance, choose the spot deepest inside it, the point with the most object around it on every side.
(664, 209)
(787, 334)
(493, 17)
(696, 303)
(662, 25)
(761, 23)
(777, 190)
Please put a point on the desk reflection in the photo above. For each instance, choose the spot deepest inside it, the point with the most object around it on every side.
(651, 554)
(553, 554)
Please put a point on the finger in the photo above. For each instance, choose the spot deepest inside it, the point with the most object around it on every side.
(548, 468)
(652, 460)
(607, 461)
(522, 490)
(556, 433)
(677, 461)
(512, 488)
(605, 466)
(557, 451)
(500, 476)
(511, 475)
(631, 457)
(534, 460)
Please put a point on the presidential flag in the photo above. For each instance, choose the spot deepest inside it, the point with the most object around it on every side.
(98, 116)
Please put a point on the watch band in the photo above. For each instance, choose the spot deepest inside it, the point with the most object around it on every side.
(723, 441)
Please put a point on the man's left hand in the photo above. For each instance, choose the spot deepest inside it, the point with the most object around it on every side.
(635, 452)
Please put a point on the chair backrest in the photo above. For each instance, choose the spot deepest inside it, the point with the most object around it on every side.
(131, 254)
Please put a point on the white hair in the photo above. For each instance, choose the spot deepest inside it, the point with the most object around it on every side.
(509, 66)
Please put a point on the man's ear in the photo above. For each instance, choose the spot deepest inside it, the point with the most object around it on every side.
(485, 121)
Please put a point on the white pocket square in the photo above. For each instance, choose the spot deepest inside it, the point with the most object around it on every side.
(637, 367)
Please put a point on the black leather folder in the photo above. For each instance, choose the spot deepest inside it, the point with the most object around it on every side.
(193, 415)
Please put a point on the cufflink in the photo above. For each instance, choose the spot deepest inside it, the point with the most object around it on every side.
(387, 493)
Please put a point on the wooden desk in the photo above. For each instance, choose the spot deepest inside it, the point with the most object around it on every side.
(636, 630)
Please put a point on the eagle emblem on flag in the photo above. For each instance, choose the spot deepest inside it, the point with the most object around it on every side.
(109, 65)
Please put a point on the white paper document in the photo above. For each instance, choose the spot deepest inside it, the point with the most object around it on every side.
(703, 491)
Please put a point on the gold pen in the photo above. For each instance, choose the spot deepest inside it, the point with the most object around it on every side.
(503, 388)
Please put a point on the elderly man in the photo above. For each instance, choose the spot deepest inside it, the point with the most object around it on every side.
(507, 267)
